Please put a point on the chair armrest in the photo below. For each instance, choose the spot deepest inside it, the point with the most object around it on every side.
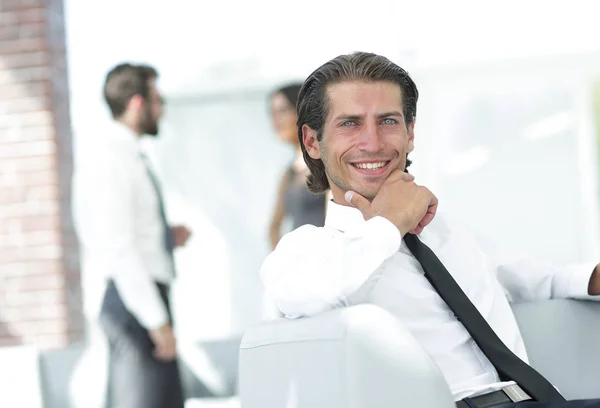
(562, 338)
(354, 357)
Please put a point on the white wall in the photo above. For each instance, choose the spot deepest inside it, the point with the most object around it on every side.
(220, 159)
(511, 150)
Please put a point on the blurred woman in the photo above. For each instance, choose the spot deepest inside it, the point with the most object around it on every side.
(293, 198)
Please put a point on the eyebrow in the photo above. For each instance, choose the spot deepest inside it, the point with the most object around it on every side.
(346, 116)
(388, 114)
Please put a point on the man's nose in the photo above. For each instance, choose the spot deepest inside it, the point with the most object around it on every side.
(369, 138)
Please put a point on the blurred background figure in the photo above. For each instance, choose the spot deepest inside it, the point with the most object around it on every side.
(120, 220)
(293, 198)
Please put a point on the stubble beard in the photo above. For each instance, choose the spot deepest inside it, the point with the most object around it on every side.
(148, 125)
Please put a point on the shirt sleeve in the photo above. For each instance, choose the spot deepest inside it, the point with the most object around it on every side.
(315, 269)
(527, 279)
(103, 201)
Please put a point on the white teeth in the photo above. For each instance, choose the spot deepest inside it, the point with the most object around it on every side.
(370, 166)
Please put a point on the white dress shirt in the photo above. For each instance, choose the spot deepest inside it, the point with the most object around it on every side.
(352, 261)
(117, 218)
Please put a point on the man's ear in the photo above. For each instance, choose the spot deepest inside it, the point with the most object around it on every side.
(136, 103)
(411, 137)
(311, 143)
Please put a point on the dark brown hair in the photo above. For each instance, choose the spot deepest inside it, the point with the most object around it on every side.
(125, 81)
(290, 92)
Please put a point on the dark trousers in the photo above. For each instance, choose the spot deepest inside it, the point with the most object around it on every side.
(565, 404)
(136, 378)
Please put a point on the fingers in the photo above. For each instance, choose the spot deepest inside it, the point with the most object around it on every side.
(407, 176)
(182, 235)
(164, 343)
(159, 353)
(165, 351)
(431, 210)
(357, 201)
(397, 175)
(429, 214)
(164, 355)
(363, 204)
(406, 204)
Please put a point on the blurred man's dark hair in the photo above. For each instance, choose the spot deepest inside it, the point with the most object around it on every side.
(125, 81)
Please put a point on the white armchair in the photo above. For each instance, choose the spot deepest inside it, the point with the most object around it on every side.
(362, 357)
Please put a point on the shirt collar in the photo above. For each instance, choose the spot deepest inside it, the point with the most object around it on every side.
(120, 133)
(342, 217)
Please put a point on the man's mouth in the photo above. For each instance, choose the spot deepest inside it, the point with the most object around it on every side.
(370, 166)
(373, 168)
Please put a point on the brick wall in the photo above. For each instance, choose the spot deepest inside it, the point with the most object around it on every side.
(40, 291)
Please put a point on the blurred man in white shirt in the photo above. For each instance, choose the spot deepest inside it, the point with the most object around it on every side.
(356, 120)
(121, 223)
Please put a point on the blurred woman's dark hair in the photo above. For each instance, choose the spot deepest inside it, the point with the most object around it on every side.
(290, 91)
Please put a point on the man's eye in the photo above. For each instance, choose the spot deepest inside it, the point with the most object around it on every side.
(389, 121)
(348, 123)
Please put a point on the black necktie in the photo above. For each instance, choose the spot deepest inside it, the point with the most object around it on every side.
(168, 237)
(508, 365)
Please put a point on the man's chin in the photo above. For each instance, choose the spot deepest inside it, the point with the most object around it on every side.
(152, 133)
(368, 194)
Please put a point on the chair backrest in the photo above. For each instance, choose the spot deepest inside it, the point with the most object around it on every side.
(56, 370)
(362, 357)
(355, 357)
(562, 338)
(210, 368)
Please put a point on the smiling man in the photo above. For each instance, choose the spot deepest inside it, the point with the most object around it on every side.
(384, 244)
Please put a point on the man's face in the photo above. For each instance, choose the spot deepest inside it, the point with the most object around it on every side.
(365, 137)
(151, 112)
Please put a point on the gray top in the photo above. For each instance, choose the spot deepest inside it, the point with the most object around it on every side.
(301, 205)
